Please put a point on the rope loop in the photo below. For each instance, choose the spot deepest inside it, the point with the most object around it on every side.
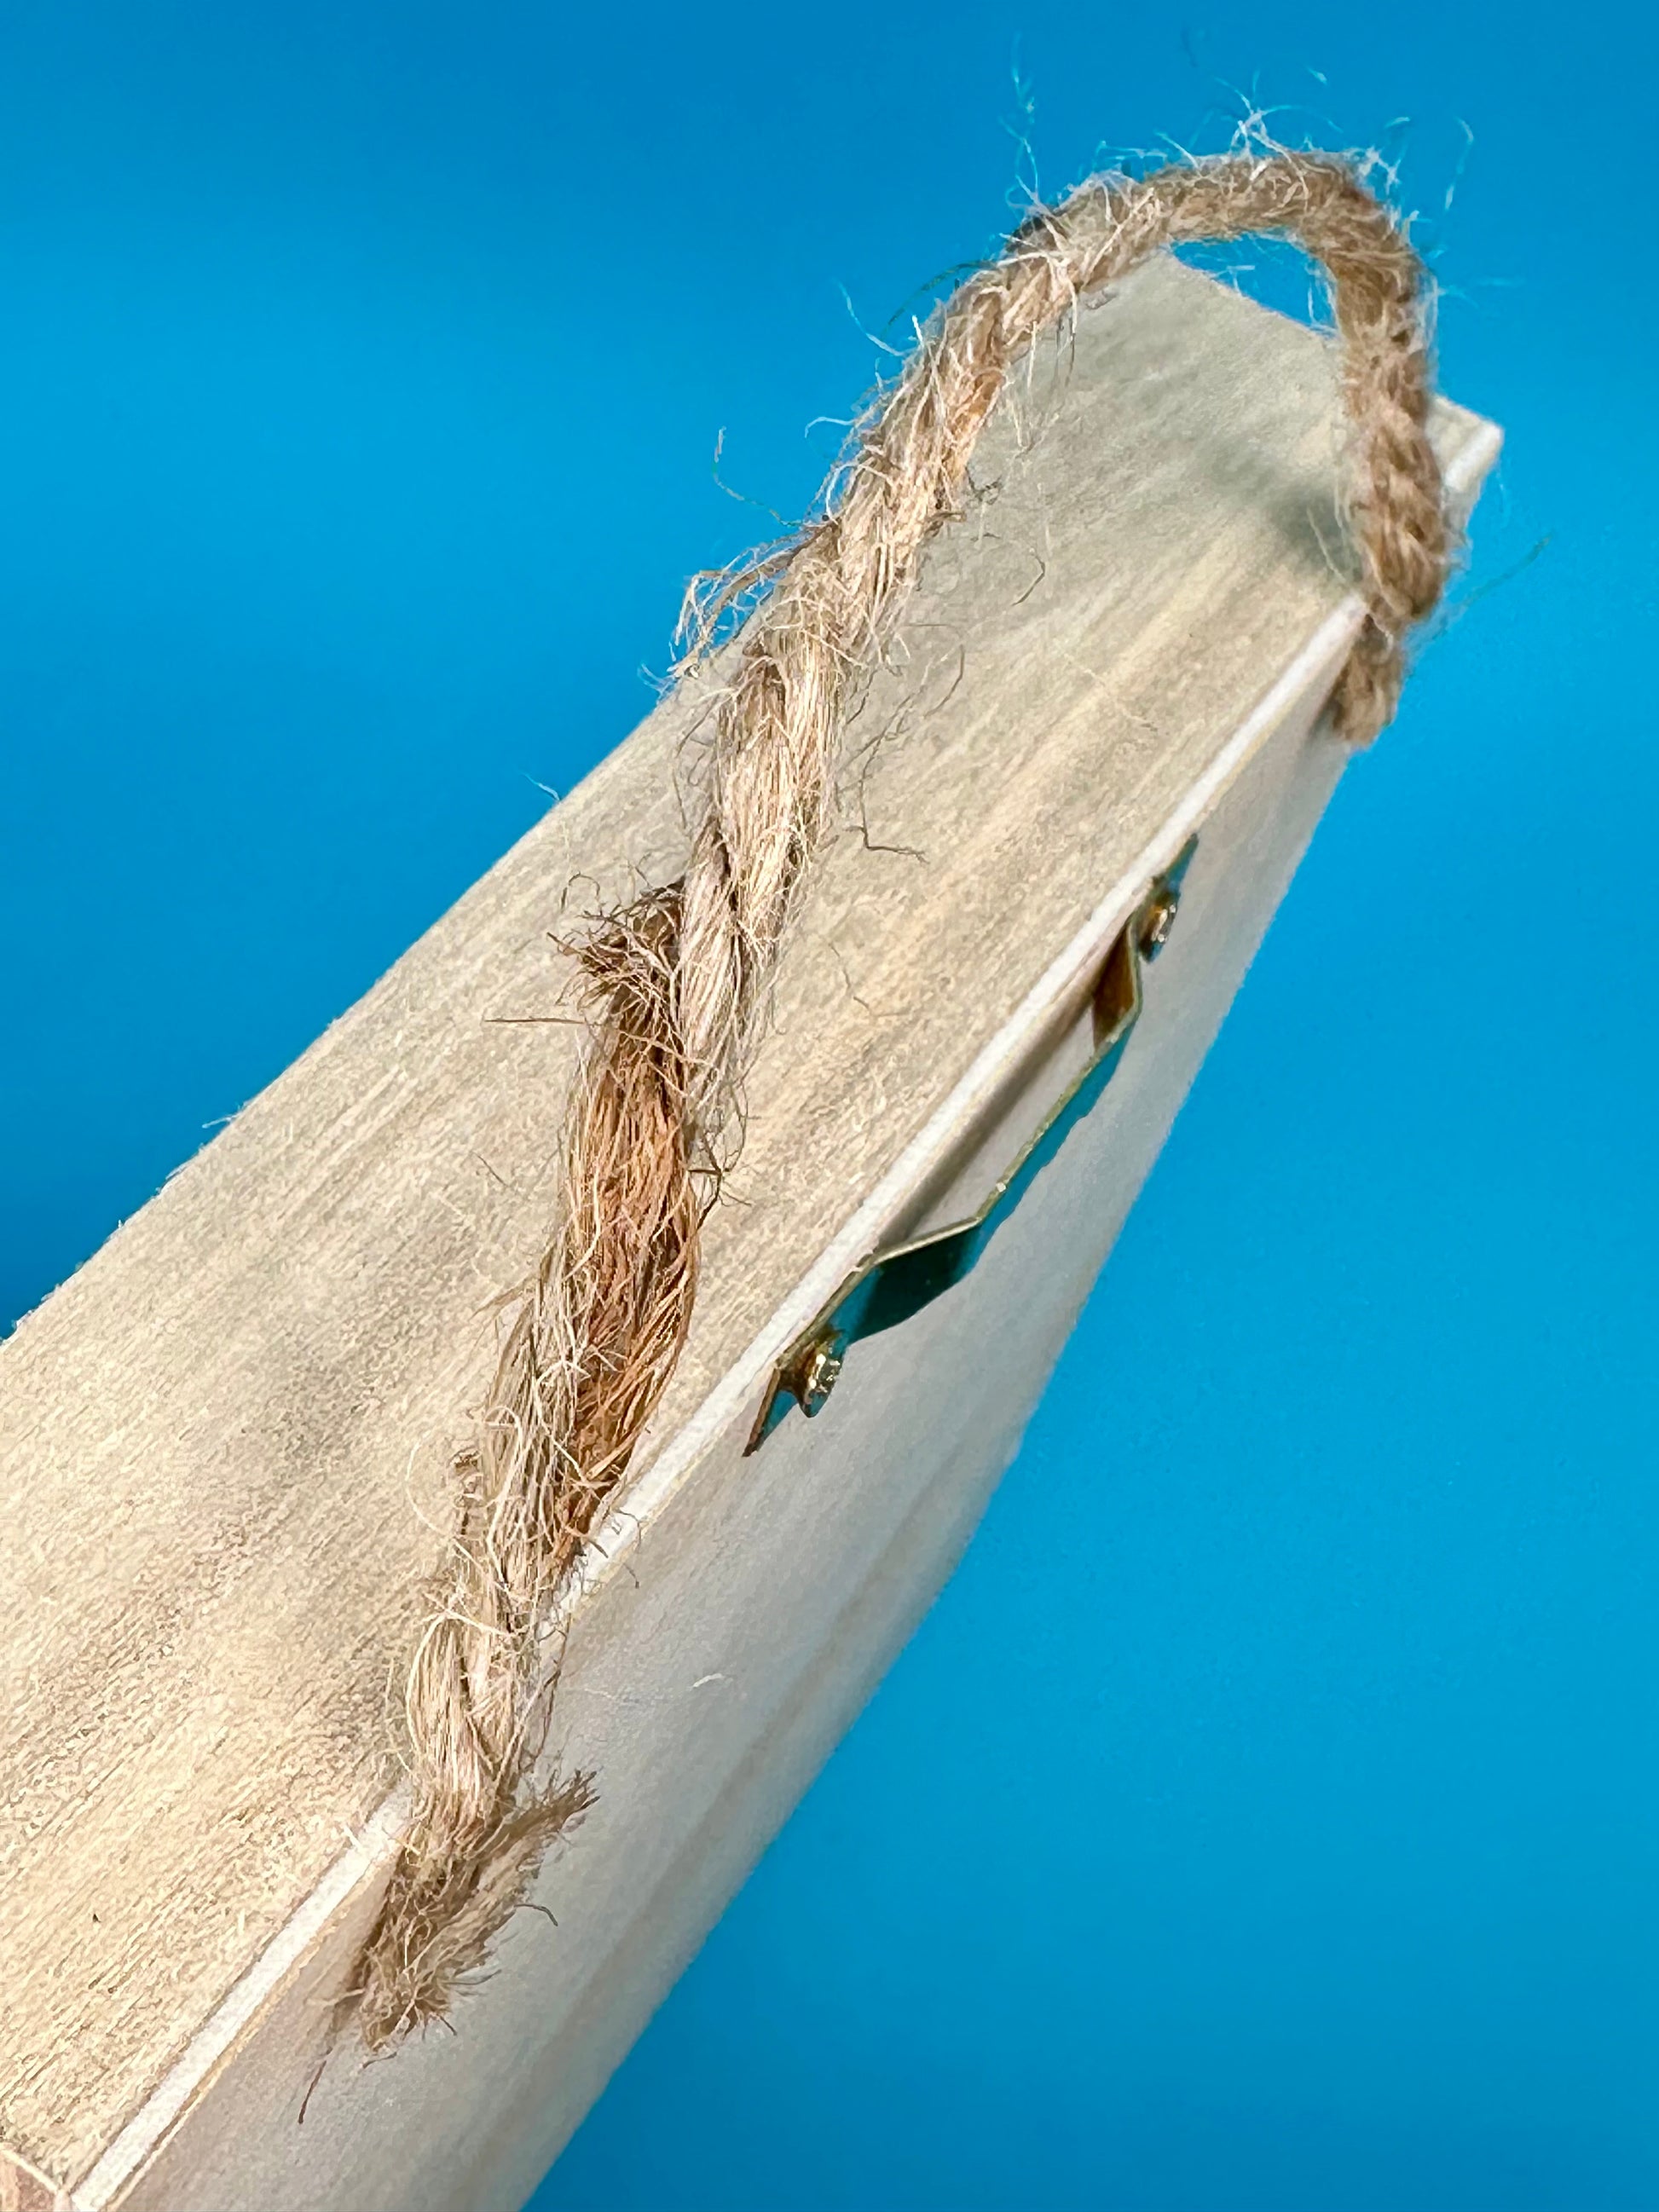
(676, 980)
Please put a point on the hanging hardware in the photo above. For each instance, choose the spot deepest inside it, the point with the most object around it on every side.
(891, 1286)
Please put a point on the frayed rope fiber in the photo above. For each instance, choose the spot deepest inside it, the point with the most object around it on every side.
(676, 983)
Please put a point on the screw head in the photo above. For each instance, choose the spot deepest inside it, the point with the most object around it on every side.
(820, 1372)
(1158, 921)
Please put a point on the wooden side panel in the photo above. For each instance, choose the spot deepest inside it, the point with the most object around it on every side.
(707, 1681)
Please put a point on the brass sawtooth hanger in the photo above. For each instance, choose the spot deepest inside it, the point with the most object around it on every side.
(896, 1282)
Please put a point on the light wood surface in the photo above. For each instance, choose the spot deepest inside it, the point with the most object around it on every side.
(707, 1677)
(222, 1436)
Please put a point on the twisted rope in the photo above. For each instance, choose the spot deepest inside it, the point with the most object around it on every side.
(676, 983)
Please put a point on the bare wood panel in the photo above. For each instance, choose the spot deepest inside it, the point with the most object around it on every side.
(221, 1436)
(761, 1603)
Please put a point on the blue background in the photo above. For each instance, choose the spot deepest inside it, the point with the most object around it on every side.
(1298, 1847)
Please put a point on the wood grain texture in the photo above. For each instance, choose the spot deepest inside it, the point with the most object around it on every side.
(221, 1435)
(708, 1678)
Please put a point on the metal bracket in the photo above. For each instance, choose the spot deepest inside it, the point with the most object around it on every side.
(893, 1284)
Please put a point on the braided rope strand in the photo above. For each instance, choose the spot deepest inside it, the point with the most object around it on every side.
(676, 982)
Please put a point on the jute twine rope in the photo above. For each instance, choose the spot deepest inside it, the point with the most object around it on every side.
(676, 983)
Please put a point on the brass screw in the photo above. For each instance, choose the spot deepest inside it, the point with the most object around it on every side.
(1159, 920)
(820, 1372)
